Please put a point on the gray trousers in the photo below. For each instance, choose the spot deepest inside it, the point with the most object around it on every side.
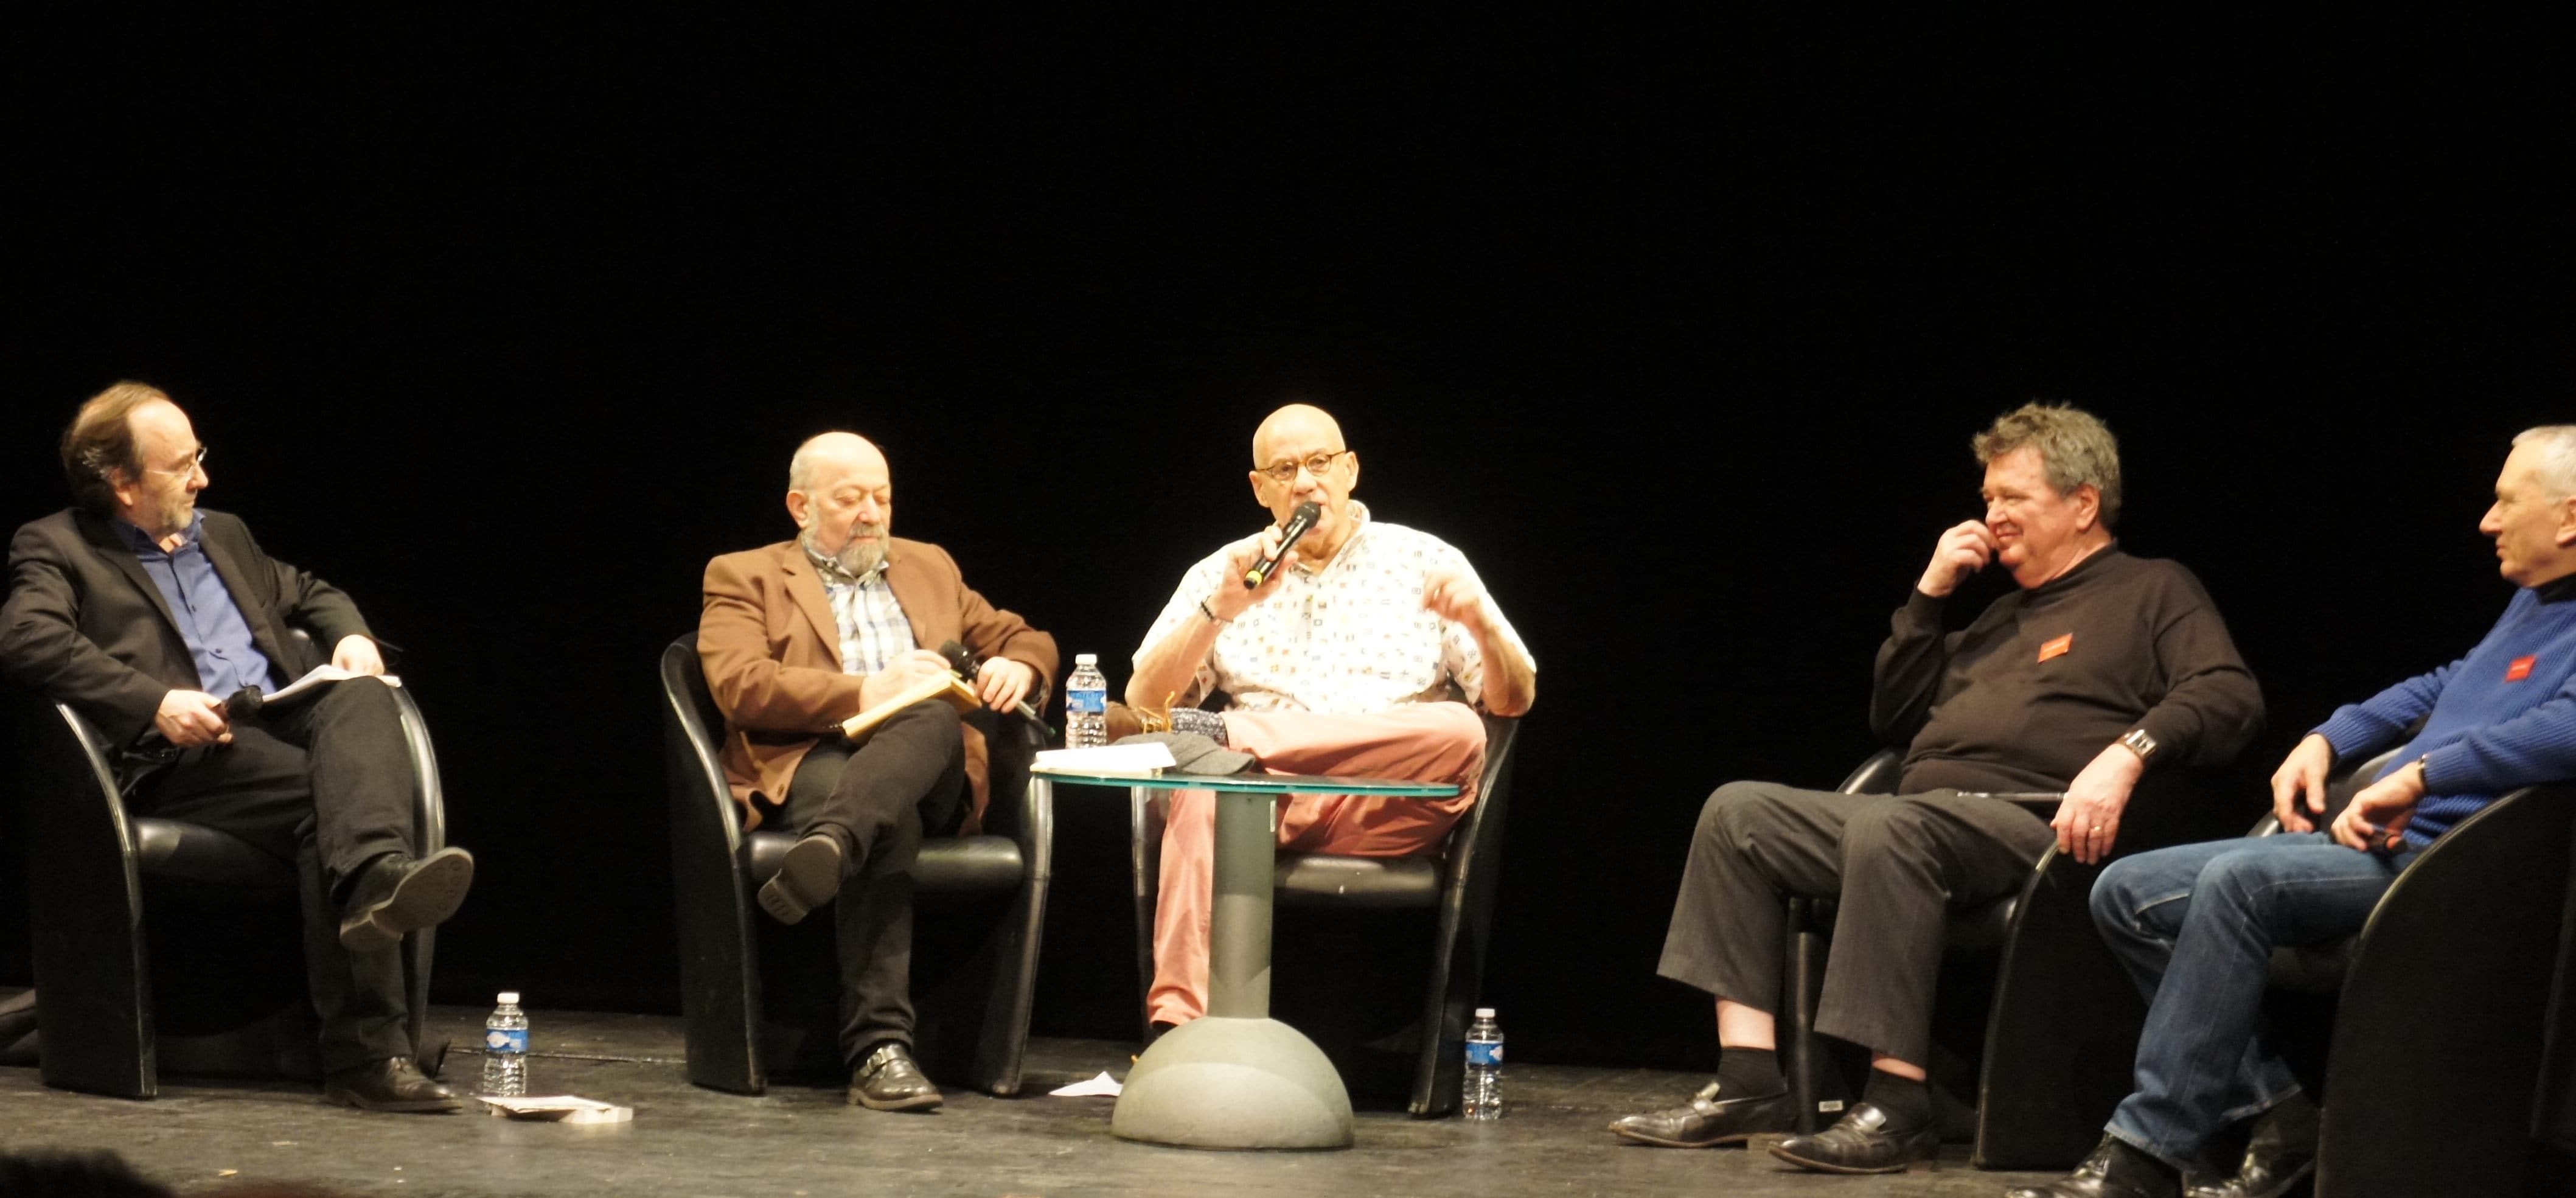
(1894, 863)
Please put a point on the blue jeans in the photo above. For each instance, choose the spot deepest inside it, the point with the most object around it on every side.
(2195, 926)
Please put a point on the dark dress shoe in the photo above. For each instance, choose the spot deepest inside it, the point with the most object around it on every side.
(396, 895)
(2095, 1178)
(2281, 1154)
(392, 1084)
(1861, 1142)
(887, 1080)
(808, 878)
(1710, 1121)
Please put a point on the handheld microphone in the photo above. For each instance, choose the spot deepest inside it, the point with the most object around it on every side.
(963, 660)
(1299, 522)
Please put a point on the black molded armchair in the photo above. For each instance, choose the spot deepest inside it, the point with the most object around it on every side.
(2061, 1030)
(717, 867)
(1459, 883)
(91, 862)
(2433, 1074)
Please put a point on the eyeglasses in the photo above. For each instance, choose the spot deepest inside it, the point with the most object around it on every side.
(1287, 471)
(194, 465)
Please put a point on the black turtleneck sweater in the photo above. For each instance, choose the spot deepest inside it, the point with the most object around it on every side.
(2046, 678)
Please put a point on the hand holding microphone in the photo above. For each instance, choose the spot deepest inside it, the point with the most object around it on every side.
(1005, 691)
(1300, 522)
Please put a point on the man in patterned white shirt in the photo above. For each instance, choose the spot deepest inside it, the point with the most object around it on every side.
(798, 636)
(1359, 657)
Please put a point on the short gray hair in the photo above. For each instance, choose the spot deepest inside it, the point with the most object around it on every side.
(2556, 445)
(2075, 448)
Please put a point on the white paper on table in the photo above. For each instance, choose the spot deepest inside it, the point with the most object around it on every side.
(1103, 1086)
(1109, 759)
(321, 676)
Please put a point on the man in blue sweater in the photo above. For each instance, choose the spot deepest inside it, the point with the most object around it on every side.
(2195, 925)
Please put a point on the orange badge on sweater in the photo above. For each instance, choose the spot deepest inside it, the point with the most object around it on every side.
(2521, 667)
(2058, 647)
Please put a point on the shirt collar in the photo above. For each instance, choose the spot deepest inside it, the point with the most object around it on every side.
(143, 542)
(1359, 515)
(832, 573)
(2558, 589)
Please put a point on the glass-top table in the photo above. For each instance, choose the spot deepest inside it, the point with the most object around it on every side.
(1237, 1078)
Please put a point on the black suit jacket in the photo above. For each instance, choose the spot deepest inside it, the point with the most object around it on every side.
(84, 624)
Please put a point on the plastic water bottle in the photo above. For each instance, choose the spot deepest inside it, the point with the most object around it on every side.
(1483, 1085)
(1086, 704)
(505, 1049)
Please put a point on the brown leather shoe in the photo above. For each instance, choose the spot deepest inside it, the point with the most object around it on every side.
(808, 877)
(396, 895)
(1861, 1142)
(392, 1084)
(888, 1080)
(1708, 1120)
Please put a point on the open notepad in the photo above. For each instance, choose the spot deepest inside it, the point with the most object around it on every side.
(936, 686)
(320, 676)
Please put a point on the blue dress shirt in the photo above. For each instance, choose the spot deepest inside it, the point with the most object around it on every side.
(217, 633)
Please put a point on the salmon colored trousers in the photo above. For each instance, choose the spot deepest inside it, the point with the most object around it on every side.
(1423, 742)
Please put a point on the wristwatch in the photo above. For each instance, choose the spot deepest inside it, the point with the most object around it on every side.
(2138, 742)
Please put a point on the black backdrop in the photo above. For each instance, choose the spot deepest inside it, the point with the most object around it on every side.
(1678, 327)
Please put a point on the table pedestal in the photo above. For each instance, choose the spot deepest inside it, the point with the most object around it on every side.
(1237, 1078)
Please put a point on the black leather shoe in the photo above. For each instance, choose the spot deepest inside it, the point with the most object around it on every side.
(1710, 1121)
(887, 1080)
(808, 878)
(2093, 1179)
(396, 895)
(392, 1084)
(1861, 1142)
(2282, 1153)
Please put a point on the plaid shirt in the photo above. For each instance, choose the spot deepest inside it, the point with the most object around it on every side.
(1349, 639)
(873, 629)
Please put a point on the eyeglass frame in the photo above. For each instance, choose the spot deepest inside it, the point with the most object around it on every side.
(1307, 464)
(195, 464)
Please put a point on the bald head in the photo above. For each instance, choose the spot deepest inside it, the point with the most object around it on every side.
(842, 499)
(832, 454)
(1297, 424)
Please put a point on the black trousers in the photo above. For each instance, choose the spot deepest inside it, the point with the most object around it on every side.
(325, 783)
(1894, 863)
(879, 799)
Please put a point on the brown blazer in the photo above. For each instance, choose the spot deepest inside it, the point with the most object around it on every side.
(772, 654)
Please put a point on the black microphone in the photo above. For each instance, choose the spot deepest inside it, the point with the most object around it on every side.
(963, 660)
(1299, 522)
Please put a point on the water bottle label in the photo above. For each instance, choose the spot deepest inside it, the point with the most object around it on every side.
(1086, 702)
(500, 1040)
(1483, 1053)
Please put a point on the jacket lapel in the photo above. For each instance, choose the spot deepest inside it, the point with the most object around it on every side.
(264, 633)
(911, 592)
(104, 541)
(807, 588)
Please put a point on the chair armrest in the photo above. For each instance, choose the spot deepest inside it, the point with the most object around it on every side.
(1875, 776)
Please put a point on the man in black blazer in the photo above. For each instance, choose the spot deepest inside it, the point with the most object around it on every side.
(144, 613)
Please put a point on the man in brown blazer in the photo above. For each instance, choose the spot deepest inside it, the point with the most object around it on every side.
(797, 637)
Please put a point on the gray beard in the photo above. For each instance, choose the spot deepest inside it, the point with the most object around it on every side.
(856, 558)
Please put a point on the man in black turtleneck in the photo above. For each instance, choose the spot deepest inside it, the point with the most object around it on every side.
(2100, 666)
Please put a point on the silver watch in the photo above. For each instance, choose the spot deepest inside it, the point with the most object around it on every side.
(2140, 743)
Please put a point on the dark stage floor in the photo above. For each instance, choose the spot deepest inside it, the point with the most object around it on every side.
(211, 1135)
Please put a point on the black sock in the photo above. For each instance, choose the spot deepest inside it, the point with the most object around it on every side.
(1908, 1102)
(1749, 1073)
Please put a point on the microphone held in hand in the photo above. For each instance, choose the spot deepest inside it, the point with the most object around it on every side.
(1299, 522)
(963, 660)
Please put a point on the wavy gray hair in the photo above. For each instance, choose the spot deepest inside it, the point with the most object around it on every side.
(2075, 448)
